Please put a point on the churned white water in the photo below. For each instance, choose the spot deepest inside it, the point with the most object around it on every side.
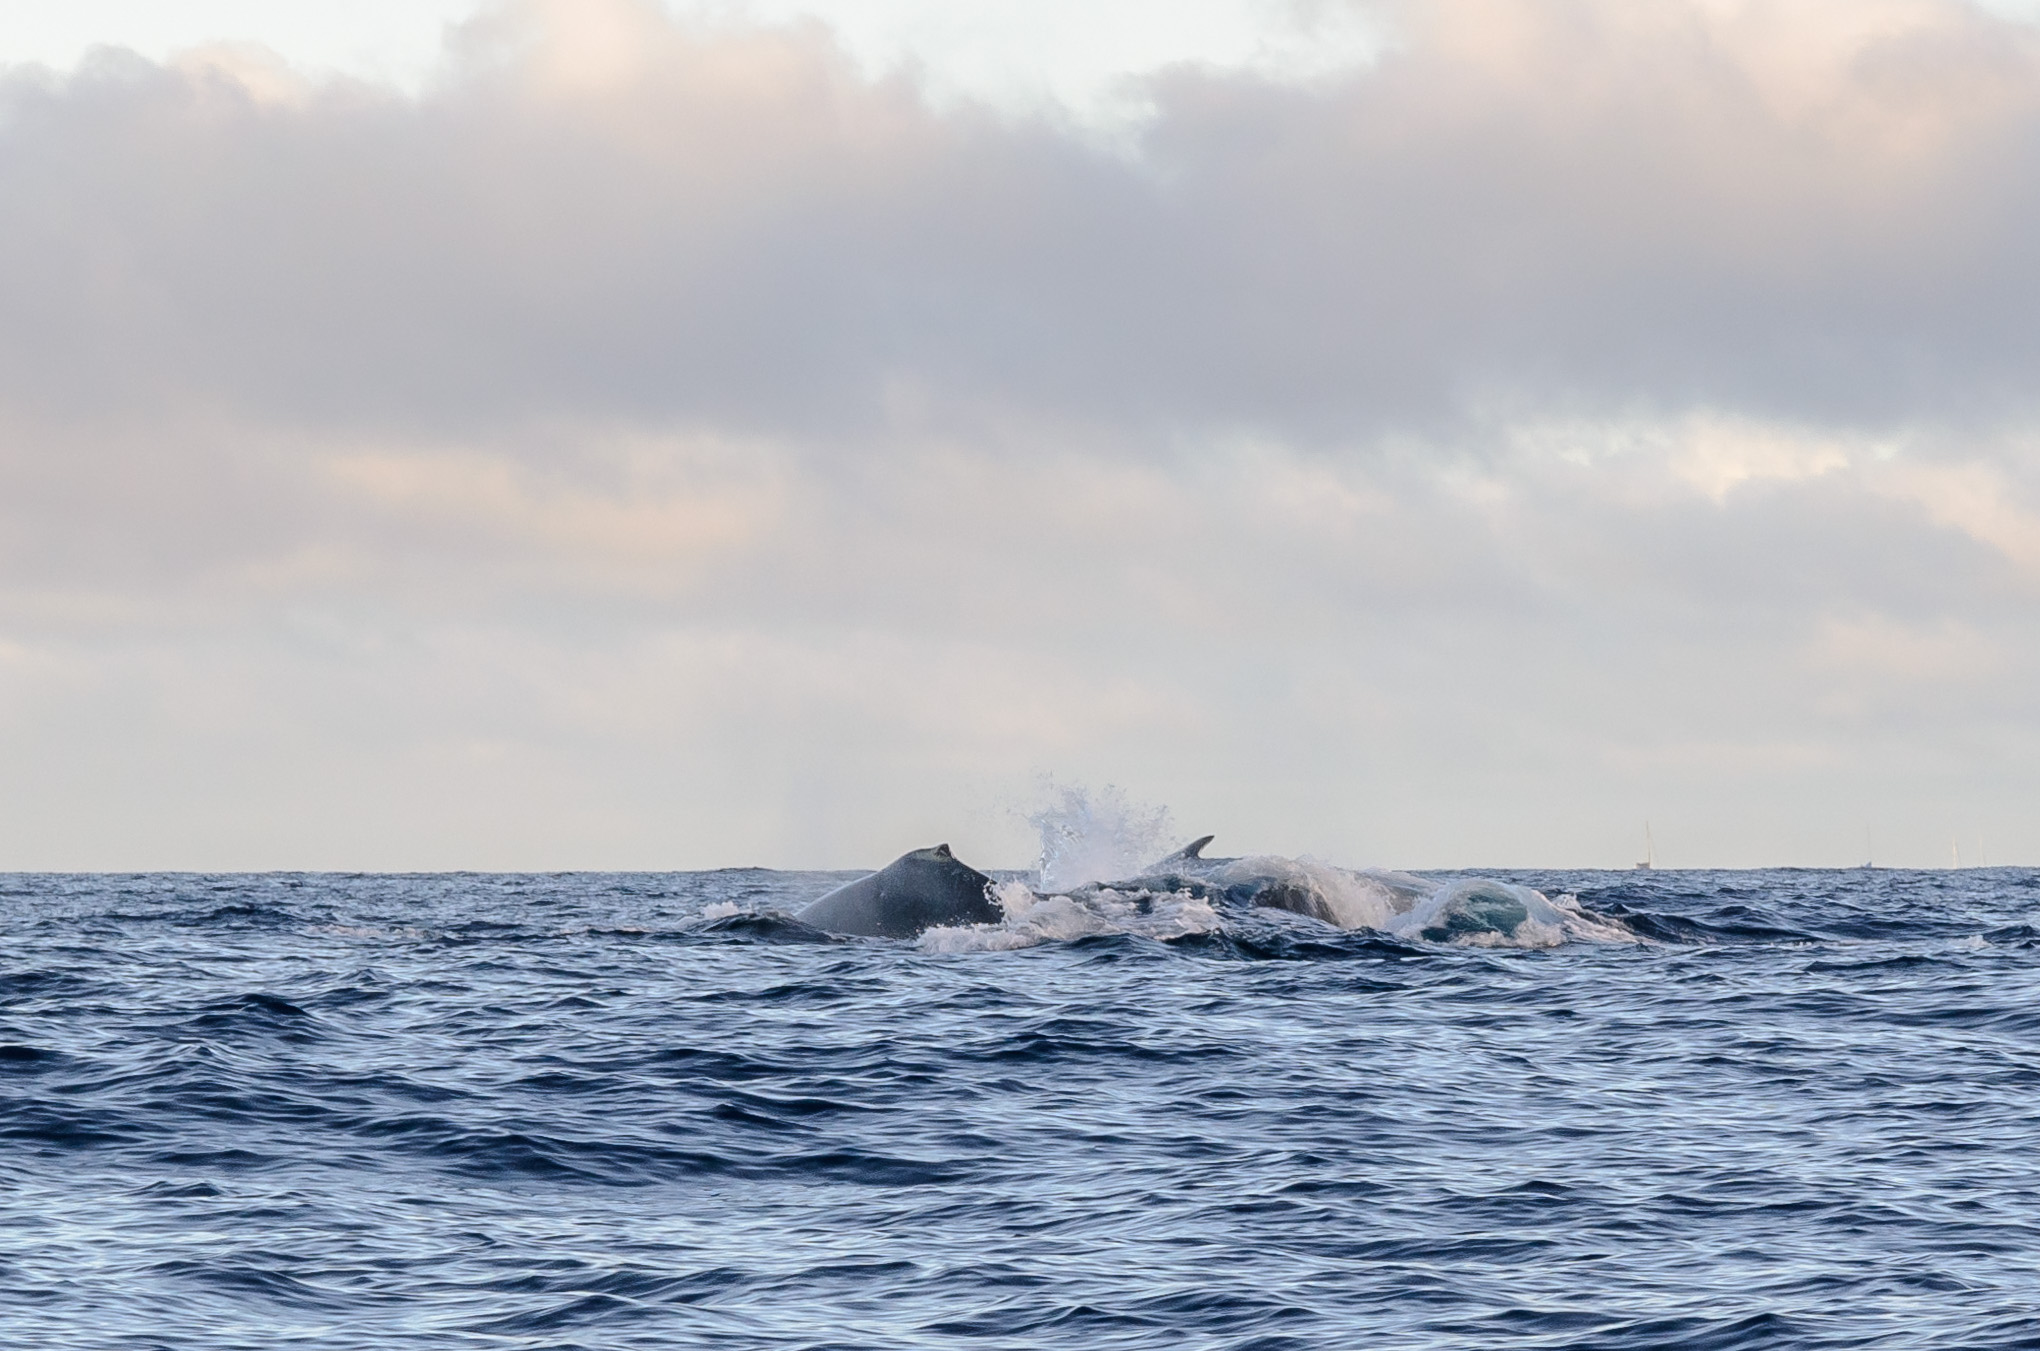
(1032, 918)
(1094, 848)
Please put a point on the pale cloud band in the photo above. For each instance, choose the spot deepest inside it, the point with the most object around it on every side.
(656, 443)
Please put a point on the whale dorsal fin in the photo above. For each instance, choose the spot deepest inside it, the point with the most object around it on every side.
(1189, 853)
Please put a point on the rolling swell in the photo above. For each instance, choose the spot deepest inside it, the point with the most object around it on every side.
(638, 1111)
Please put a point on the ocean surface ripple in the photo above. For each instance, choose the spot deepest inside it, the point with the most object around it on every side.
(1798, 1109)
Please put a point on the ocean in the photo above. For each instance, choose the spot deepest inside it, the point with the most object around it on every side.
(1729, 1110)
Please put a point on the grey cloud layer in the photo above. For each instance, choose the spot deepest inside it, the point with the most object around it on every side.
(656, 445)
(1523, 203)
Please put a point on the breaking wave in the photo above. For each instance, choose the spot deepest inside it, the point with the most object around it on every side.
(1468, 912)
(1033, 918)
(1090, 882)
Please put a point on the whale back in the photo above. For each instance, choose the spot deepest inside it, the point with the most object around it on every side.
(916, 891)
(1192, 852)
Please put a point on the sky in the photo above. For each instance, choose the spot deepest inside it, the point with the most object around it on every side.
(1422, 433)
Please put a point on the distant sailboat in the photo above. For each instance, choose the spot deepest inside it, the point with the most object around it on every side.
(1649, 850)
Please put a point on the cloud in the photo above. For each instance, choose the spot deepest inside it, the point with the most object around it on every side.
(1577, 411)
(1807, 210)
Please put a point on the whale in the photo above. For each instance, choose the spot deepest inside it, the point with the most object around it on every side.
(919, 890)
(930, 888)
(1262, 883)
(1457, 910)
(1190, 853)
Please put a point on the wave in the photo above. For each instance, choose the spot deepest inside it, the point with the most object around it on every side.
(1033, 918)
(1174, 907)
(1089, 882)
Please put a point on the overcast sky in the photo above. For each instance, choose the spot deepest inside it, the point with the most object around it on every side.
(1424, 434)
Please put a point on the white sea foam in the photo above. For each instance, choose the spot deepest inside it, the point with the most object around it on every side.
(1033, 918)
(1089, 838)
(1351, 898)
(1479, 912)
(1467, 912)
(1094, 847)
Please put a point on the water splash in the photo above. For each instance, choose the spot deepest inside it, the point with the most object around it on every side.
(1099, 837)
(1032, 918)
(1482, 912)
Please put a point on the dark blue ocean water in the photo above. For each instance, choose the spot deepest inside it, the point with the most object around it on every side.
(568, 1111)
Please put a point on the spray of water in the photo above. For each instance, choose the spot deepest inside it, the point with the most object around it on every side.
(1096, 837)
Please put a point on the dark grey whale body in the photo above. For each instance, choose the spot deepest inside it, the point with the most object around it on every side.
(915, 891)
(1234, 880)
(931, 887)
